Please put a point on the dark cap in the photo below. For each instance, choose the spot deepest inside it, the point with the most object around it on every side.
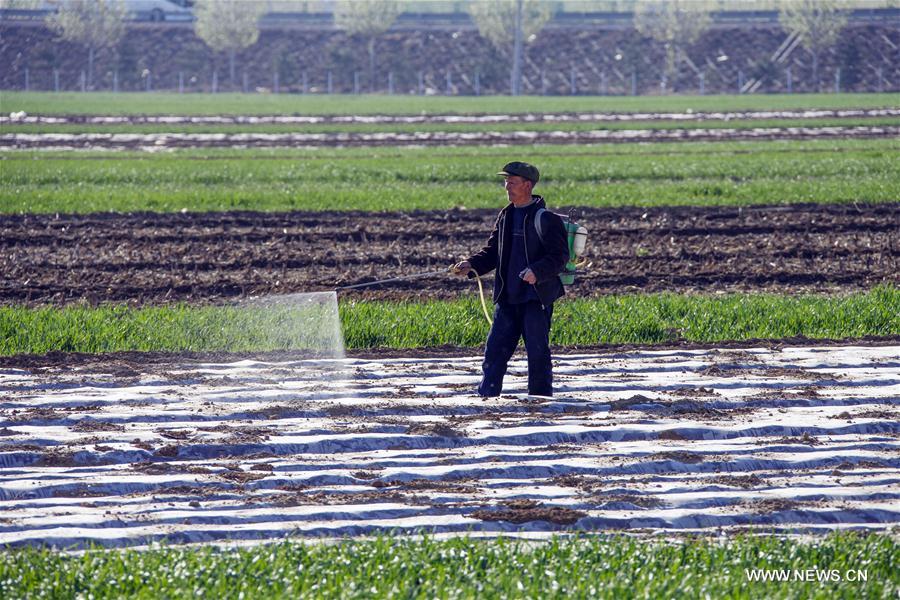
(523, 170)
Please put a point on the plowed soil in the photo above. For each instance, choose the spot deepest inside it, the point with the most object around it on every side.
(208, 257)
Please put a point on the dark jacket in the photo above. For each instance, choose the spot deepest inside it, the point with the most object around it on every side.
(546, 260)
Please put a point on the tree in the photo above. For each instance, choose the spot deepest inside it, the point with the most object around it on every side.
(675, 23)
(368, 18)
(94, 24)
(817, 23)
(507, 24)
(228, 26)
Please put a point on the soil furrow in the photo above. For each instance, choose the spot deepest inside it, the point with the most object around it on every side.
(41, 229)
(115, 263)
(24, 239)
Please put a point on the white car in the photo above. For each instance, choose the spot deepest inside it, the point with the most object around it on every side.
(159, 10)
(143, 10)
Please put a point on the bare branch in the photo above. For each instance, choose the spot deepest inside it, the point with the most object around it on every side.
(370, 18)
(675, 23)
(228, 25)
(818, 23)
(496, 19)
(92, 23)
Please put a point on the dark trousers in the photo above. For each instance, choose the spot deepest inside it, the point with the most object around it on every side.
(531, 322)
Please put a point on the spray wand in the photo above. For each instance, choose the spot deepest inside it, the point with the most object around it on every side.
(392, 279)
(422, 276)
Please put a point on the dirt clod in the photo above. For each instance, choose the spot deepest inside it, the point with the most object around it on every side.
(559, 516)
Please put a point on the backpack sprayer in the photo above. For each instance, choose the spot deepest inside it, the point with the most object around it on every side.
(577, 239)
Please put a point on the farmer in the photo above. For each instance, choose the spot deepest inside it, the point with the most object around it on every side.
(526, 282)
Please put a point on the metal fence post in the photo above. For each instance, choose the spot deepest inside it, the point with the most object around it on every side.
(55, 80)
(180, 82)
(421, 83)
(604, 84)
(356, 82)
(449, 83)
(790, 80)
(634, 83)
(83, 82)
(215, 81)
(116, 81)
(477, 83)
(149, 81)
(880, 80)
(330, 83)
(391, 83)
(305, 83)
(275, 78)
(702, 84)
(837, 81)
(740, 82)
(543, 82)
(244, 81)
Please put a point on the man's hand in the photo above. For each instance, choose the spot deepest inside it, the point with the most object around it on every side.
(461, 268)
(528, 276)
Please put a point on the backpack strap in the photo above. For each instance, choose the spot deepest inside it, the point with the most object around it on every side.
(538, 220)
(537, 223)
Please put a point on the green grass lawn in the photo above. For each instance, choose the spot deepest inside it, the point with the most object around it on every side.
(639, 318)
(380, 179)
(159, 103)
(588, 566)
(77, 128)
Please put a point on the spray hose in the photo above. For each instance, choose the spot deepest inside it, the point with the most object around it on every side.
(481, 294)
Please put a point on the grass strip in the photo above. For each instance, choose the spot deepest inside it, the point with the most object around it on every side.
(350, 195)
(614, 319)
(839, 565)
(161, 103)
(147, 128)
(640, 319)
(433, 179)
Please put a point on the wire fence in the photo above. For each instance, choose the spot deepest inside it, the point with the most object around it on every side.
(578, 80)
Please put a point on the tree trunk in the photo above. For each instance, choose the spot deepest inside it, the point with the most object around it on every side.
(816, 81)
(90, 73)
(515, 85)
(231, 53)
(671, 66)
(372, 64)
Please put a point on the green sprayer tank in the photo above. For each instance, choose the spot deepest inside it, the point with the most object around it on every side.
(577, 235)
